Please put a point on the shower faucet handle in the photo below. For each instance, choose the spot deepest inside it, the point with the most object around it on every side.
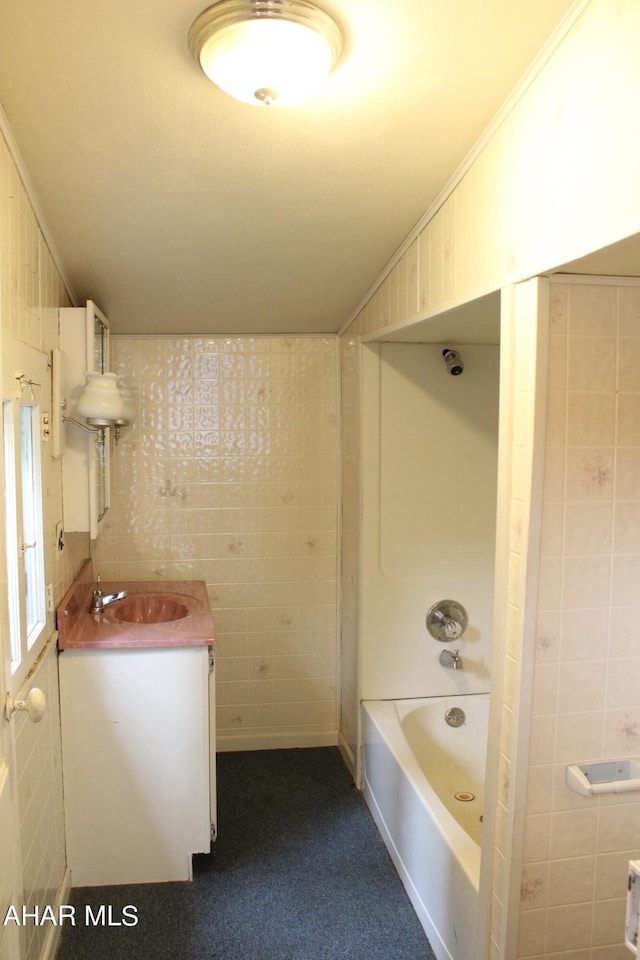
(446, 620)
(452, 629)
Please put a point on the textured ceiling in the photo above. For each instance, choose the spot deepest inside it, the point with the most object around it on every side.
(178, 209)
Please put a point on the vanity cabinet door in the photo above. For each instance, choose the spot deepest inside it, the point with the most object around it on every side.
(135, 747)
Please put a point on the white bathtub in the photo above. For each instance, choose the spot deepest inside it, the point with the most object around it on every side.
(414, 765)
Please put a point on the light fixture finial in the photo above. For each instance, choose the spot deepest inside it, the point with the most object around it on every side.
(266, 95)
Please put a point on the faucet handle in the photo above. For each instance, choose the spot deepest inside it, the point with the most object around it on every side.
(446, 620)
(451, 628)
(96, 598)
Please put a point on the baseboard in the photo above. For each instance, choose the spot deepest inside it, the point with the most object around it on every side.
(226, 743)
(50, 946)
(347, 755)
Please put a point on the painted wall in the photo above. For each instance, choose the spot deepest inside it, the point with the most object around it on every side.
(230, 475)
(31, 290)
(428, 515)
(349, 663)
(524, 324)
(558, 179)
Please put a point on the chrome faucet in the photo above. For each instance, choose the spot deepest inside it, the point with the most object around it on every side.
(100, 600)
(451, 659)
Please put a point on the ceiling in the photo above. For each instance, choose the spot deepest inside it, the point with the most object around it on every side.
(180, 210)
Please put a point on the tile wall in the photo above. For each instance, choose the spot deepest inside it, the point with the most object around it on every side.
(586, 694)
(230, 475)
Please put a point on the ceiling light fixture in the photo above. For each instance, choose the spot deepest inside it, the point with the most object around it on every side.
(265, 51)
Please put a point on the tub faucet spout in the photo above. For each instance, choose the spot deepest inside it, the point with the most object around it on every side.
(451, 659)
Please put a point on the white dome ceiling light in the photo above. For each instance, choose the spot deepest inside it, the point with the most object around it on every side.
(265, 51)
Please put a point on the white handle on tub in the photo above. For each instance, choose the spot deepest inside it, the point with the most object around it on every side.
(35, 705)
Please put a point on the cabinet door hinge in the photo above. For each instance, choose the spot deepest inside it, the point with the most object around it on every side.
(214, 832)
(212, 661)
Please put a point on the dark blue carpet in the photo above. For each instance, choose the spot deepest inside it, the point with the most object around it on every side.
(299, 872)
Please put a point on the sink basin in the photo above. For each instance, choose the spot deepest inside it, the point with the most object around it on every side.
(155, 613)
(147, 608)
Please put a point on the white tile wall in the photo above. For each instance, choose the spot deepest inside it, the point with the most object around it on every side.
(586, 702)
(230, 476)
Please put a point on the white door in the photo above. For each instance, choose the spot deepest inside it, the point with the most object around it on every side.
(10, 871)
(24, 620)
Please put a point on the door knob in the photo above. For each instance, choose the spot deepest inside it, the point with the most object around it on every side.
(35, 705)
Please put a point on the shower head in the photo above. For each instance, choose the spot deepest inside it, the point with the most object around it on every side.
(455, 366)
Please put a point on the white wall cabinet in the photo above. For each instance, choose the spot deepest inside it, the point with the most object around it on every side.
(84, 346)
(136, 759)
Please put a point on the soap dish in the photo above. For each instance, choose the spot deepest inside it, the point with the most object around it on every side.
(607, 776)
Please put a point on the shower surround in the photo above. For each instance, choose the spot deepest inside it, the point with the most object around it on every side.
(229, 474)
(429, 473)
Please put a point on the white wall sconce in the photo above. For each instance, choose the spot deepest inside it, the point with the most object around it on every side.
(266, 51)
(128, 397)
(103, 404)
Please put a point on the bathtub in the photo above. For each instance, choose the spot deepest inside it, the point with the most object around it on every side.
(423, 782)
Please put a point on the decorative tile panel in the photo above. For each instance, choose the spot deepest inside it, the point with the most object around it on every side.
(230, 475)
(589, 700)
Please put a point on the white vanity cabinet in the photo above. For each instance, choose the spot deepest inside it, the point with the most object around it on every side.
(84, 348)
(136, 762)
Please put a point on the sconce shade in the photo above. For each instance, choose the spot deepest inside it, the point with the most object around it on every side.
(100, 399)
(265, 51)
(128, 397)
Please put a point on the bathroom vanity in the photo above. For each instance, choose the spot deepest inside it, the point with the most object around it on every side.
(137, 733)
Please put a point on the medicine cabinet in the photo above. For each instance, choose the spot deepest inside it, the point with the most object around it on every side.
(84, 348)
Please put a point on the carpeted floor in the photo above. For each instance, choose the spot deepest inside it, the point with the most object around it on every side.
(298, 872)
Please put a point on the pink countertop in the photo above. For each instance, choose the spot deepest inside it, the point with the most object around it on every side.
(78, 628)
